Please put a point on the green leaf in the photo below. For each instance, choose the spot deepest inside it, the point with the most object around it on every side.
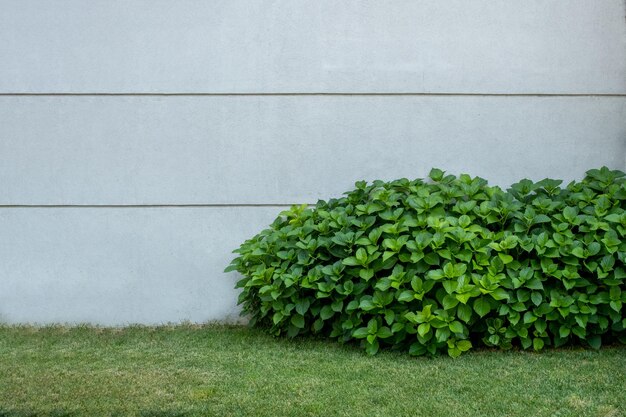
(541, 218)
(352, 305)
(302, 306)
(448, 270)
(366, 304)
(506, 259)
(459, 269)
(500, 293)
(317, 325)
(613, 218)
(482, 306)
(581, 333)
(449, 302)
(372, 348)
(600, 298)
(526, 274)
(397, 327)
(464, 221)
(594, 248)
(388, 254)
(538, 343)
(436, 174)
(372, 328)
(431, 258)
(292, 331)
(570, 213)
(536, 297)
(616, 305)
(411, 317)
(435, 274)
(366, 274)
(463, 298)
(390, 315)
(607, 263)
(595, 342)
(464, 345)
(534, 284)
(442, 334)
(450, 286)
(258, 252)
(350, 261)
(383, 284)
(464, 312)
(298, 321)
(384, 332)
(615, 293)
(581, 320)
(454, 352)
(406, 296)
(337, 305)
(360, 333)
(361, 256)
(326, 312)
(529, 317)
(417, 349)
(423, 328)
(494, 339)
(278, 316)
(541, 326)
(456, 327)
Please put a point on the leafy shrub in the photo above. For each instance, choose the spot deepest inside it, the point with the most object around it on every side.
(446, 264)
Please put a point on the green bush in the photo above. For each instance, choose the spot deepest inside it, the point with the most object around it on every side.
(446, 264)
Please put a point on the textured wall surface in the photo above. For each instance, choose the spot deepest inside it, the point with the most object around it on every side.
(268, 46)
(141, 141)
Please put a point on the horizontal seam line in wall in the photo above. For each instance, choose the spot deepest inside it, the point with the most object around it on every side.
(312, 94)
(145, 205)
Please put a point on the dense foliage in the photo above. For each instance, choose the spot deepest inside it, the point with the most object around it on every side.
(446, 264)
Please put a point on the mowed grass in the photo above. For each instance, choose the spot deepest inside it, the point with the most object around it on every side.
(236, 371)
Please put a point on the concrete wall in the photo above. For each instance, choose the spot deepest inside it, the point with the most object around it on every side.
(142, 141)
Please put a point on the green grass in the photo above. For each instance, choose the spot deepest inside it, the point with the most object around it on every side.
(236, 371)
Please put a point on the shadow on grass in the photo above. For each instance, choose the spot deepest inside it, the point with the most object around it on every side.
(163, 413)
(63, 413)
(30, 413)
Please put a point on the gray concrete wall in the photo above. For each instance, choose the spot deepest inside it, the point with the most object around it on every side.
(142, 141)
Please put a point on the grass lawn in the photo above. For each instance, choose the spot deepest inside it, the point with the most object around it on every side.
(236, 371)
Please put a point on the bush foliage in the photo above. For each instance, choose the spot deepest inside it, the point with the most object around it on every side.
(445, 264)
